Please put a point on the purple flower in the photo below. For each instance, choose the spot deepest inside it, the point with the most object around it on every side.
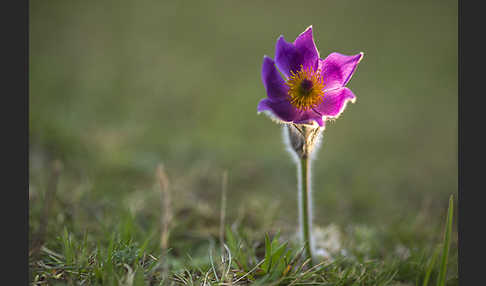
(312, 89)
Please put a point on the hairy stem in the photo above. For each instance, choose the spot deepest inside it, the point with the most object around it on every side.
(305, 201)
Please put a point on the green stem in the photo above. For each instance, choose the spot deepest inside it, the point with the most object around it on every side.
(305, 201)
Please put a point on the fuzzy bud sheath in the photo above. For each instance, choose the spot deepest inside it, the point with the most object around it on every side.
(302, 141)
(303, 138)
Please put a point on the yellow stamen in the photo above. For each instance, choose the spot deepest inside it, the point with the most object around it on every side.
(306, 89)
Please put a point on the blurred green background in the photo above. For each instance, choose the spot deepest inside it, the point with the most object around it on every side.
(117, 87)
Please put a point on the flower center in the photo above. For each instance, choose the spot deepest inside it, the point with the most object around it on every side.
(306, 89)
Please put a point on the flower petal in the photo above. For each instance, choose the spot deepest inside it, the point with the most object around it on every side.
(308, 116)
(334, 102)
(337, 69)
(290, 56)
(287, 57)
(307, 48)
(284, 111)
(272, 80)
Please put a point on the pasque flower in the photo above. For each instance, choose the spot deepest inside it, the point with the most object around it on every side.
(312, 89)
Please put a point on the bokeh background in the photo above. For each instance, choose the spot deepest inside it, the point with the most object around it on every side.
(118, 87)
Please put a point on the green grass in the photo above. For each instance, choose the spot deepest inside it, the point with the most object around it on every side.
(127, 255)
(129, 263)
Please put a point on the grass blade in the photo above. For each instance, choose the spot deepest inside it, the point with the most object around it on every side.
(430, 267)
(446, 244)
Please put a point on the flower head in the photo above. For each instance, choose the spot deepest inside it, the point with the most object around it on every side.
(312, 89)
